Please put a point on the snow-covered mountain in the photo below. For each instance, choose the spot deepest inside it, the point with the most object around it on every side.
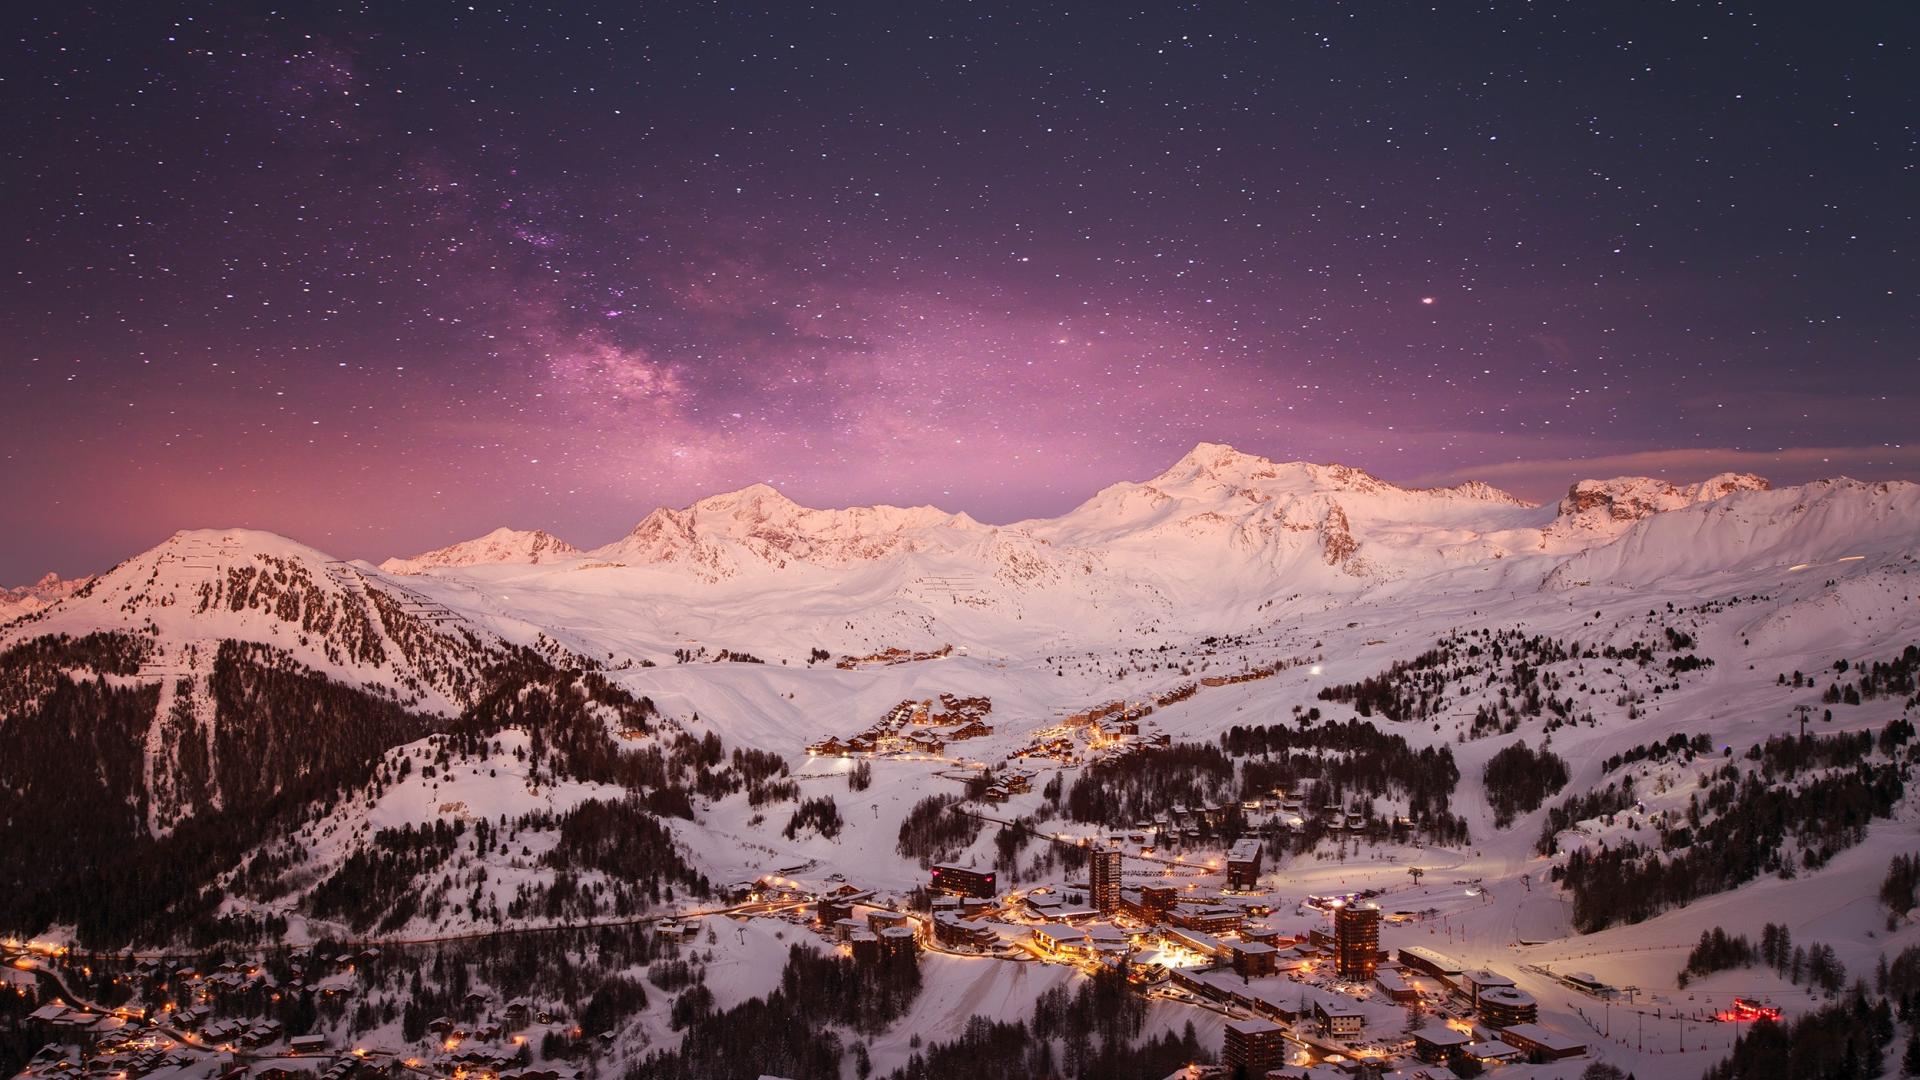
(1222, 542)
(1210, 542)
(502, 545)
(1219, 514)
(300, 709)
(345, 620)
(27, 599)
(1796, 527)
(755, 528)
(1602, 509)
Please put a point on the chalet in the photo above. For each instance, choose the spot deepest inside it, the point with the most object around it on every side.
(879, 920)
(963, 880)
(1440, 1045)
(1260, 932)
(1243, 865)
(1541, 1044)
(954, 930)
(261, 1033)
(542, 1071)
(1338, 1018)
(51, 1013)
(1197, 941)
(1211, 918)
(1428, 962)
(1493, 1051)
(1395, 986)
(1475, 983)
(1043, 904)
(1253, 959)
(898, 941)
(281, 1070)
(1056, 938)
(1586, 983)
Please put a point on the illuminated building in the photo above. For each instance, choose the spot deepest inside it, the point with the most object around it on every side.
(963, 881)
(1356, 940)
(1243, 866)
(1104, 875)
(1255, 1045)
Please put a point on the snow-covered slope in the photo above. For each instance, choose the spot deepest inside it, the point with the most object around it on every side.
(502, 545)
(1791, 527)
(1225, 592)
(344, 620)
(1220, 540)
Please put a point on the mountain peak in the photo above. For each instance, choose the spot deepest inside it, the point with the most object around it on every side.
(756, 498)
(1727, 483)
(501, 546)
(1609, 506)
(1212, 465)
(1211, 458)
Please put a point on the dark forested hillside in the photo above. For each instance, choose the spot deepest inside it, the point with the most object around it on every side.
(285, 729)
(72, 800)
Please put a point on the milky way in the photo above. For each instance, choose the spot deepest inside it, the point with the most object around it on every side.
(386, 276)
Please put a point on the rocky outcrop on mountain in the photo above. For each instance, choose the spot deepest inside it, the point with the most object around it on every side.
(1601, 509)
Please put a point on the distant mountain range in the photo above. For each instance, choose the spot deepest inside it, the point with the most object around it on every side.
(1216, 513)
(1220, 541)
(263, 712)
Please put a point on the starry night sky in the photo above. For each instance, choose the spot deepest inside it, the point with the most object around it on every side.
(385, 276)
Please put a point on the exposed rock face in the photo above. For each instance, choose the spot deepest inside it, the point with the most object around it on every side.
(1604, 508)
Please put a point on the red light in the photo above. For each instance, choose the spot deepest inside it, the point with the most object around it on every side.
(1744, 1011)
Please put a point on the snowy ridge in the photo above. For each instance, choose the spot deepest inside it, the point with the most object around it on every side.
(1790, 527)
(1595, 509)
(756, 528)
(502, 545)
(27, 599)
(345, 621)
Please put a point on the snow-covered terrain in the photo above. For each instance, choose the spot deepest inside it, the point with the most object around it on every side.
(27, 599)
(502, 545)
(1232, 590)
